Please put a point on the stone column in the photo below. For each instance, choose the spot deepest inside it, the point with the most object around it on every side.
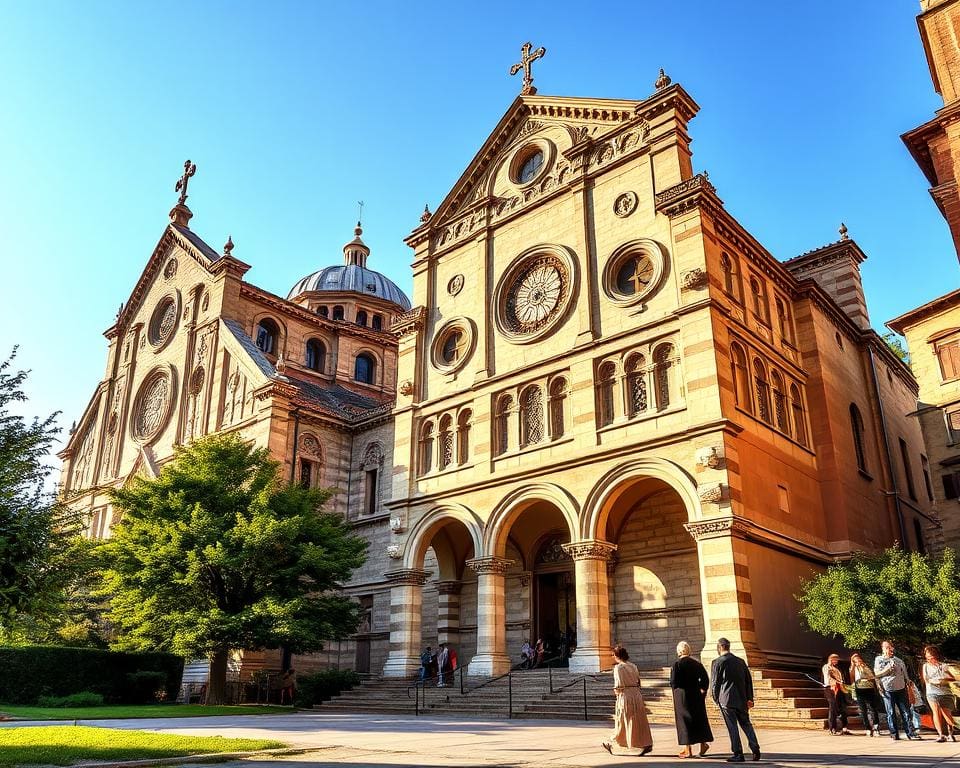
(593, 604)
(725, 587)
(448, 612)
(491, 658)
(406, 601)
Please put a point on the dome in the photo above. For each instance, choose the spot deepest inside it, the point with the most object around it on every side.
(352, 276)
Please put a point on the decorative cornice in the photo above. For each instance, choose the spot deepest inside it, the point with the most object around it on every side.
(409, 322)
(495, 565)
(413, 577)
(691, 194)
(718, 527)
(590, 549)
(742, 528)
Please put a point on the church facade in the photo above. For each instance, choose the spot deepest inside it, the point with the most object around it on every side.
(607, 415)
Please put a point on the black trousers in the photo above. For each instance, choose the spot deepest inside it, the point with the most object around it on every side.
(868, 702)
(837, 701)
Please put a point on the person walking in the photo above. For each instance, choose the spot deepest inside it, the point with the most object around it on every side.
(891, 673)
(526, 655)
(690, 684)
(732, 690)
(443, 663)
(866, 693)
(833, 689)
(631, 728)
(936, 677)
(288, 686)
(426, 659)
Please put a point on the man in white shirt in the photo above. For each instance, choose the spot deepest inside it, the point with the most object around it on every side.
(892, 677)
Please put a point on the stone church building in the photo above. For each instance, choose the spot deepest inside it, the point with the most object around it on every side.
(608, 411)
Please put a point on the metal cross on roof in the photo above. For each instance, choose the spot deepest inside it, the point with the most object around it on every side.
(526, 59)
(188, 170)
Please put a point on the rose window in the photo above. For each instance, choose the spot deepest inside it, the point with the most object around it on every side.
(537, 292)
(152, 406)
(163, 321)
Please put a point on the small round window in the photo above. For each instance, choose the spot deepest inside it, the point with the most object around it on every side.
(163, 321)
(633, 272)
(530, 167)
(453, 345)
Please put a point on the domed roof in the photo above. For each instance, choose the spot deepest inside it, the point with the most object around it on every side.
(352, 276)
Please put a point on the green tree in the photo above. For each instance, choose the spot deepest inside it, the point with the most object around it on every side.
(895, 343)
(218, 553)
(910, 598)
(36, 531)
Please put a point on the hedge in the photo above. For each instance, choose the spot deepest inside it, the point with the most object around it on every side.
(28, 672)
(320, 686)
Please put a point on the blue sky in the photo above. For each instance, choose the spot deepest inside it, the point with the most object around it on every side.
(294, 111)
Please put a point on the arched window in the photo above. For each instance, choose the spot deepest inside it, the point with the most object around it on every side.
(364, 368)
(463, 436)
(361, 317)
(637, 384)
(759, 298)
(310, 460)
(338, 312)
(799, 420)
(762, 387)
(856, 427)
(378, 322)
(663, 375)
(268, 336)
(784, 324)
(741, 379)
(558, 393)
(729, 276)
(446, 442)
(502, 437)
(426, 448)
(323, 311)
(531, 416)
(781, 410)
(316, 355)
(606, 380)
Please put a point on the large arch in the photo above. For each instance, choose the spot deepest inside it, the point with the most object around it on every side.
(612, 484)
(497, 529)
(423, 531)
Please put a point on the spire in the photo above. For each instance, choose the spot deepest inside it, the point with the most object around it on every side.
(356, 251)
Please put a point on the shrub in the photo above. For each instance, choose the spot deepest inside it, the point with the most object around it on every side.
(144, 685)
(33, 671)
(82, 699)
(321, 686)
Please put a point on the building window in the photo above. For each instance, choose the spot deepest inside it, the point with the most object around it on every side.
(306, 473)
(925, 466)
(558, 393)
(268, 334)
(531, 416)
(839, 339)
(907, 469)
(952, 419)
(463, 436)
(323, 311)
(426, 448)
(316, 355)
(378, 322)
(741, 378)
(799, 418)
(759, 298)
(338, 312)
(784, 322)
(763, 391)
(918, 536)
(370, 482)
(502, 437)
(446, 442)
(637, 400)
(606, 379)
(663, 375)
(783, 499)
(856, 427)
(951, 485)
(948, 353)
(781, 411)
(361, 317)
(364, 369)
(730, 282)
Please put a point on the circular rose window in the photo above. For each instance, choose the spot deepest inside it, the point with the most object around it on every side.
(453, 344)
(534, 294)
(633, 271)
(163, 321)
(153, 404)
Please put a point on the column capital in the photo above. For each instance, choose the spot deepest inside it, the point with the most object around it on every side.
(717, 527)
(407, 576)
(498, 565)
(590, 549)
(449, 587)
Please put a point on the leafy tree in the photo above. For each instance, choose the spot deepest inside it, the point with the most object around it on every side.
(36, 532)
(218, 553)
(895, 343)
(910, 598)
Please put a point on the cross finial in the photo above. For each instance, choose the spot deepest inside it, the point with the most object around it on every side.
(188, 170)
(360, 214)
(526, 59)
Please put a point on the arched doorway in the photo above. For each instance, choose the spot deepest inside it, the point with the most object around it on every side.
(554, 596)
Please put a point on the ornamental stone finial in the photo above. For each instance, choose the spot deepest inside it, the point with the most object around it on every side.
(426, 215)
(843, 231)
(663, 80)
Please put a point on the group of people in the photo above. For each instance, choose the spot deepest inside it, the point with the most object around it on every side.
(562, 643)
(729, 684)
(890, 681)
(439, 664)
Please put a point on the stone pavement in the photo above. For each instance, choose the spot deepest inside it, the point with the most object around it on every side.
(384, 741)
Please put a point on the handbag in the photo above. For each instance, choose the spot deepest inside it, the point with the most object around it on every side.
(913, 695)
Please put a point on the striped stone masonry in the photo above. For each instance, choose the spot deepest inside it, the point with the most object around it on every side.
(491, 657)
(590, 559)
(406, 600)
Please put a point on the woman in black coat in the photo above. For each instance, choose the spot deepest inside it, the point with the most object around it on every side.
(690, 684)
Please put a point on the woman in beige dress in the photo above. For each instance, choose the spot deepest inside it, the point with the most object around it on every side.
(631, 731)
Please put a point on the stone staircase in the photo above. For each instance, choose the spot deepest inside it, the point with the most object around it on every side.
(783, 699)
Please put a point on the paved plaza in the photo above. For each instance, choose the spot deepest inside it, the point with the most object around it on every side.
(391, 742)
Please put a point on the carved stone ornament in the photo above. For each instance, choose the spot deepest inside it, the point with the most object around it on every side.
(711, 494)
(163, 321)
(406, 387)
(152, 405)
(205, 304)
(709, 457)
(716, 528)
(554, 552)
(394, 551)
(693, 279)
(396, 525)
(496, 565)
(170, 269)
(591, 549)
(196, 381)
(309, 445)
(524, 578)
(625, 204)
(407, 576)
(455, 285)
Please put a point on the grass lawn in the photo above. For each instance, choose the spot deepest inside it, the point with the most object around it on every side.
(133, 712)
(67, 744)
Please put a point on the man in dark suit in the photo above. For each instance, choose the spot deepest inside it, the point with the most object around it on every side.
(732, 690)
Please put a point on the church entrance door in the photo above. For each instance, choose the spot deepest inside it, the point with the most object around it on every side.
(554, 599)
